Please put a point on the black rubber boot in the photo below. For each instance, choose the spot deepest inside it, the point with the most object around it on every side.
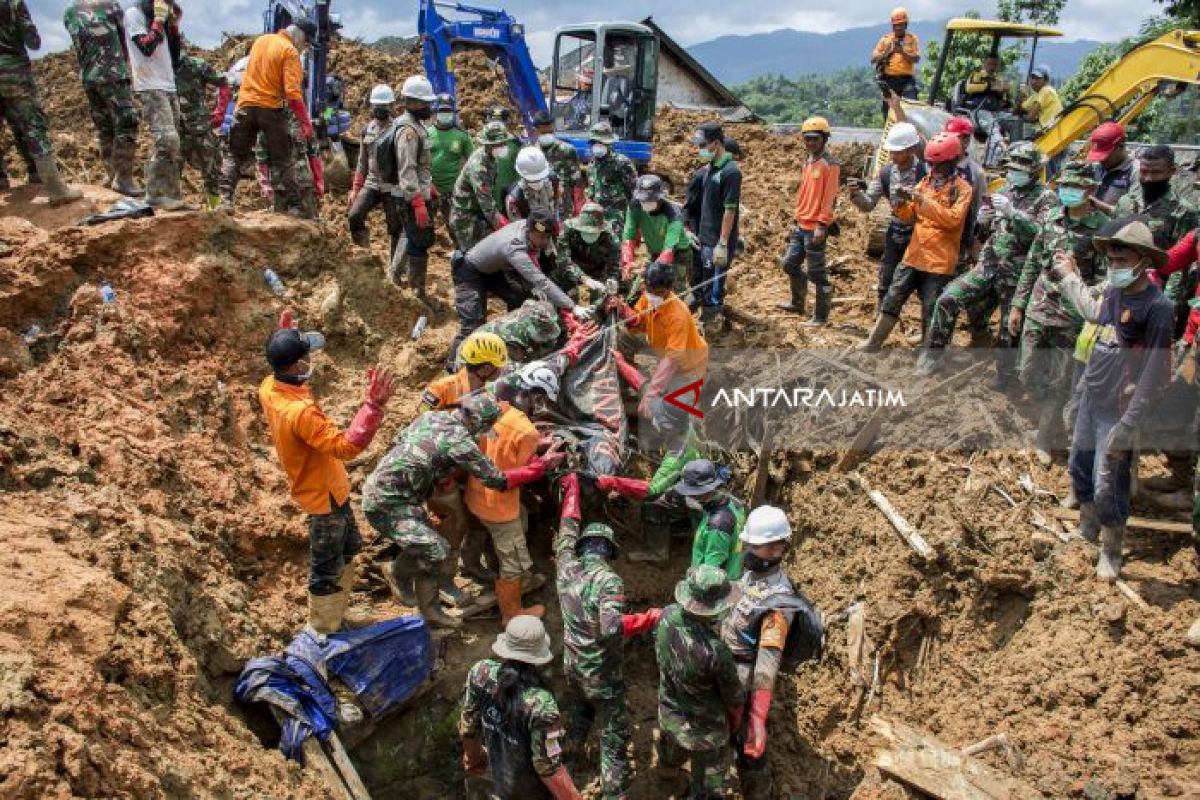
(417, 266)
(799, 288)
(824, 304)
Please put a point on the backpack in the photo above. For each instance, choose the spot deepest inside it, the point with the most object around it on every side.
(806, 635)
(385, 152)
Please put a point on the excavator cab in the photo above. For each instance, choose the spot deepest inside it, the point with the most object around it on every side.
(609, 71)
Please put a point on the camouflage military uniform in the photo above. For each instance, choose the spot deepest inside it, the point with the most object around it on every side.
(533, 328)
(473, 211)
(994, 278)
(95, 29)
(519, 750)
(611, 181)
(577, 259)
(433, 446)
(698, 680)
(564, 160)
(197, 144)
(592, 599)
(18, 95)
(301, 152)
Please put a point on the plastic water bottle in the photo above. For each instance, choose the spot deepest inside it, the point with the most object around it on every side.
(107, 293)
(274, 282)
(31, 333)
(420, 327)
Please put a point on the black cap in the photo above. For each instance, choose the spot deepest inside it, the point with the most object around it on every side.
(542, 118)
(443, 102)
(699, 477)
(708, 133)
(660, 276)
(732, 146)
(541, 221)
(288, 345)
(307, 27)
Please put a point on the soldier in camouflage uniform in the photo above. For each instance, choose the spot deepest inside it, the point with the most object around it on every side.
(96, 29)
(1044, 320)
(18, 97)
(529, 332)
(197, 144)
(591, 596)
(588, 252)
(1020, 210)
(394, 496)
(474, 213)
(510, 725)
(700, 699)
(564, 160)
(611, 176)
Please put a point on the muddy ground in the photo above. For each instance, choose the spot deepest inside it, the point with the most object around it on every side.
(150, 546)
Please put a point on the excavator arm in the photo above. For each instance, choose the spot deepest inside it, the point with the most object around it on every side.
(1125, 89)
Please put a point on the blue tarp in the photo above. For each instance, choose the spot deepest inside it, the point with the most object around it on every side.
(383, 664)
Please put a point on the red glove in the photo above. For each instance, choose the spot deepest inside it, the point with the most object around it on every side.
(579, 340)
(501, 221)
(666, 257)
(534, 470)
(218, 115)
(318, 172)
(301, 111)
(434, 194)
(633, 488)
(356, 186)
(578, 199)
(561, 786)
(634, 624)
(158, 26)
(366, 423)
(568, 320)
(474, 757)
(287, 320)
(570, 500)
(628, 372)
(733, 717)
(381, 385)
(419, 210)
(627, 257)
(756, 731)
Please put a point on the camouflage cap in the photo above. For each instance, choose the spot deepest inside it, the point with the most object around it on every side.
(602, 132)
(494, 133)
(590, 219)
(598, 530)
(479, 411)
(1026, 157)
(706, 591)
(543, 321)
(1078, 173)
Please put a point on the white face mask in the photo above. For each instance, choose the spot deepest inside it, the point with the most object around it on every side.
(654, 300)
(590, 237)
(537, 186)
(599, 150)
(693, 504)
(445, 118)
(650, 206)
(500, 152)
(546, 139)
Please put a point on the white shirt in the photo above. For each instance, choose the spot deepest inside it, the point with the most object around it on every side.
(149, 73)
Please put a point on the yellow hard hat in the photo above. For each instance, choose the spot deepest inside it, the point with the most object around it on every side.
(899, 14)
(815, 125)
(484, 348)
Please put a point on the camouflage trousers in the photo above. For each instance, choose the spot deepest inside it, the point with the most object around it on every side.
(114, 114)
(160, 111)
(1046, 362)
(20, 108)
(301, 169)
(979, 293)
(709, 768)
(333, 539)
(414, 533)
(201, 150)
(611, 716)
(467, 230)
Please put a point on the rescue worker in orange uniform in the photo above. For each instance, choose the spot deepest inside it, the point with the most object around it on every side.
(814, 218)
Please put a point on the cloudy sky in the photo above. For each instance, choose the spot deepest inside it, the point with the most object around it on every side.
(688, 21)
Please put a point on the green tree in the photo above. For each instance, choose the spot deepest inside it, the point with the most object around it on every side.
(1186, 11)
(848, 97)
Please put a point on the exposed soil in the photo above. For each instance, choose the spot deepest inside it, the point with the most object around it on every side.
(151, 547)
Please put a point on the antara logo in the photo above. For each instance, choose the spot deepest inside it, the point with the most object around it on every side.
(487, 33)
(693, 390)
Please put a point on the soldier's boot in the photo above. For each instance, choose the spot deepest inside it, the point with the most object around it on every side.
(930, 361)
(417, 265)
(472, 556)
(325, 611)
(508, 597)
(756, 782)
(33, 176)
(1112, 537)
(361, 237)
(1089, 522)
(123, 180)
(399, 576)
(352, 619)
(447, 589)
(883, 326)
(398, 267)
(428, 605)
(822, 307)
(106, 158)
(58, 191)
(798, 284)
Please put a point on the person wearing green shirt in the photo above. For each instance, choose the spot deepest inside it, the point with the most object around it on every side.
(717, 514)
(450, 146)
(654, 220)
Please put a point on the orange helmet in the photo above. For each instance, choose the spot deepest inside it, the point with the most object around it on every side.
(899, 15)
(942, 148)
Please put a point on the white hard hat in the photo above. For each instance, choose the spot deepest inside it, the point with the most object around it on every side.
(382, 95)
(532, 164)
(418, 87)
(537, 375)
(902, 136)
(766, 524)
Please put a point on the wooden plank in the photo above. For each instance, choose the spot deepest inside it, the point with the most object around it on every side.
(762, 471)
(910, 534)
(1141, 523)
(316, 759)
(919, 760)
(341, 759)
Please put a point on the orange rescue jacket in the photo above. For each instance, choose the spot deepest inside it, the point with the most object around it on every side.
(818, 191)
(513, 444)
(445, 392)
(672, 332)
(273, 74)
(940, 218)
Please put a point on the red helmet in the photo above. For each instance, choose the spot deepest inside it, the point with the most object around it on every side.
(942, 148)
(959, 126)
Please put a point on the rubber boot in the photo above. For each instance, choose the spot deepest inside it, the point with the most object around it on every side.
(508, 597)
(824, 304)
(31, 168)
(883, 326)
(474, 543)
(399, 576)
(58, 192)
(929, 361)
(110, 169)
(1070, 501)
(799, 288)
(1089, 522)
(417, 266)
(361, 237)
(1112, 537)
(756, 783)
(447, 589)
(398, 267)
(325, 612)
(427, 604)
(351, 620)
(1047, 432)
(123, 180)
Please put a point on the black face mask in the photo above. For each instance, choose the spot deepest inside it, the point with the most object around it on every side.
(1155, 190)
(756, 564)
(381, 113)
(421, 113)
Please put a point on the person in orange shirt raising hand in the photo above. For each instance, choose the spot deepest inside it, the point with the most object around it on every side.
(814, 215)
(312, 449)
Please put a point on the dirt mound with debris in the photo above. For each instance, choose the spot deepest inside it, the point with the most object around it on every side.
(152, 547)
